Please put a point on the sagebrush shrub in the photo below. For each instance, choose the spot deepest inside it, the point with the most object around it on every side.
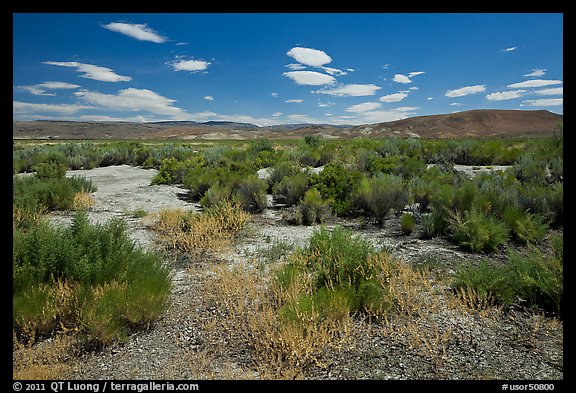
(407, 223)
(380, 194)
(477, 231)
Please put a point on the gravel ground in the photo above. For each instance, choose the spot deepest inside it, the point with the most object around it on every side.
(514, 345)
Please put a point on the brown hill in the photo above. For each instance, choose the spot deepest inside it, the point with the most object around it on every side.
(474, 123)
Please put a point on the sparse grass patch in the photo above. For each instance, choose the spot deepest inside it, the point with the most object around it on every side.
(191, 232)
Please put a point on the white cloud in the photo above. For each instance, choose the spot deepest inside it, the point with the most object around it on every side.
(505, 95)
(364, 107)
(276, 114)
(413, 88)
(467, 90)
(382, 116)
(510, 49)
(334, 71)
(296, 100)
(415, 73)
(456, 104)
(396, 97)
(209, 98)
(550, 92)
(139, 32)
(190, 65)
(27, 107)
(40, 88)
(309, 57)
(274, 94)
(544, 102)
(296, 66)
(535, 83)
(325, 104)
(91, 71)
(310, 78)
(132, 99)
(430, 98)
(352, 90)
(399, 78)
(536, 73)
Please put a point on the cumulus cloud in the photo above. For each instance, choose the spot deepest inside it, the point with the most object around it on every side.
(309, 57)
(209, 98)
(536, 73)
(132, 99)
(364, 107)
(400, 78)
(544, 102)
(396, 97)
(351, 90)
(91, 71)
(190, 65)
(464, 91)
(139, 32)
(505, 95)
(312, 78)
(534, 83)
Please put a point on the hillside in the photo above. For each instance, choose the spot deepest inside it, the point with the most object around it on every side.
(473, 123)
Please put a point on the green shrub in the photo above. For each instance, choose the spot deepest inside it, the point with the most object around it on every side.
(535, 279)
(407, 223)
(314, 208)
(337, 183)
(86, 277)
(477, 231)
(291, 189)
(380, 194)
(346, 274)
(251, 194)
(524, 226)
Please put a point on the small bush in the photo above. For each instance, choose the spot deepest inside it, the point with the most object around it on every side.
(251, 194)
(407, 223)
(378, 195)
(476, 231)
(314, 208)
(535, 279)
(291, 189)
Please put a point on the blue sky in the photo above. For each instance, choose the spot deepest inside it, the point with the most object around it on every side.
(279, 68)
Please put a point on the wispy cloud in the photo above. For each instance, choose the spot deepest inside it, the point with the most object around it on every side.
(309, 57)
(396, 97)
(351, 90)
(132, 99)
(91, 71)
(550, 92)
(296, 66)
(544, 102)
(466, 90)
(505, 95)
(510, 49)
(209, 98)
(535, 83)
(536, 73)
(190, 65)
(364, 107)
(312, 78)
(139, 32)
(295, 100)
(27, 107)
(40, 88)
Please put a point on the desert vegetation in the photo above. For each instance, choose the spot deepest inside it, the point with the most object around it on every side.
(90, 282)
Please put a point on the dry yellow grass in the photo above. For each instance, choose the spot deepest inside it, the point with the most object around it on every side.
(44, 361)
(83, 201)
(190, 232)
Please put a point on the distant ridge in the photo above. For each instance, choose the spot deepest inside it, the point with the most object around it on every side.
(472, 123)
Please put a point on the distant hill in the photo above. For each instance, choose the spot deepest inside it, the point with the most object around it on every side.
(473, 123)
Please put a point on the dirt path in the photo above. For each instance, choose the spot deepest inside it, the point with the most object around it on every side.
(178, 347)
